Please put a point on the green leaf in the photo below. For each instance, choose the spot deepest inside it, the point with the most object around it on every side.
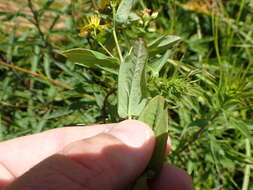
(131, 81)
(151, 111)
(59, 113)
(92, 59)
(156, 117)
(42, 123)
(47, 65)
(200, 123)
(124, 10)
(241, 126)
(157, 65)
(163, 40)
(161, 132)
(162, 43)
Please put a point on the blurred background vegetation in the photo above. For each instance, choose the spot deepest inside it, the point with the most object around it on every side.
(207, 78)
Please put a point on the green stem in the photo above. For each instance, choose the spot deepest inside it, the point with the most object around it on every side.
(142, 4)
(199, 33)
(230, 39)
(216, 36)
(246, 178)
(114, 32)
(107, 51)
(242, 5)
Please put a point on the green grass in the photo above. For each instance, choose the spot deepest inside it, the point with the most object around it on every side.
(207, 78)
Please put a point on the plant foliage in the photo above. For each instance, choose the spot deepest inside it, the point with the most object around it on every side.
(197, 55)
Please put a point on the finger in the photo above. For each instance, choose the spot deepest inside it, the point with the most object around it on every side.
(111, 160)
(172, 178)
(33, 148)
(6, 176)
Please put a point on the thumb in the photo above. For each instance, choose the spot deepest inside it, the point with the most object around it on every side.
(111, 160)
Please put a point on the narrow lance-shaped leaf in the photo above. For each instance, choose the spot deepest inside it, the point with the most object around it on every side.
(156, 117)
(131, 81)
(92, 59)
(241, 126)
(162, 44)
(157, 65)
(124, 10)
(164, 40)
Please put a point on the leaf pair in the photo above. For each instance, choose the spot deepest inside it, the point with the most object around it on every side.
(131, 81)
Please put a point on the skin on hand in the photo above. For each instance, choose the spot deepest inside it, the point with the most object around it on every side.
(109, 156)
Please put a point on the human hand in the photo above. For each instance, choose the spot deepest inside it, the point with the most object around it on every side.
(108, 157)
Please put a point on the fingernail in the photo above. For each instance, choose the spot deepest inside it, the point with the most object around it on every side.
(131, 132)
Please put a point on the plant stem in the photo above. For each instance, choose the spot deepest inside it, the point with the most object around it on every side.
(107, 51)
(215, 31)
(246, 178)
(114, 32)
(56, 82)
(36, 19)
(142, 4)
(199, 33)
(238, 16)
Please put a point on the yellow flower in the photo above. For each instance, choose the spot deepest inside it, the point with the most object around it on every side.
(93, 25)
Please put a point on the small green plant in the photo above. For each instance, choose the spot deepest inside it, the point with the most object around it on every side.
(131, 69)
(205, 81)
(132, 97)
